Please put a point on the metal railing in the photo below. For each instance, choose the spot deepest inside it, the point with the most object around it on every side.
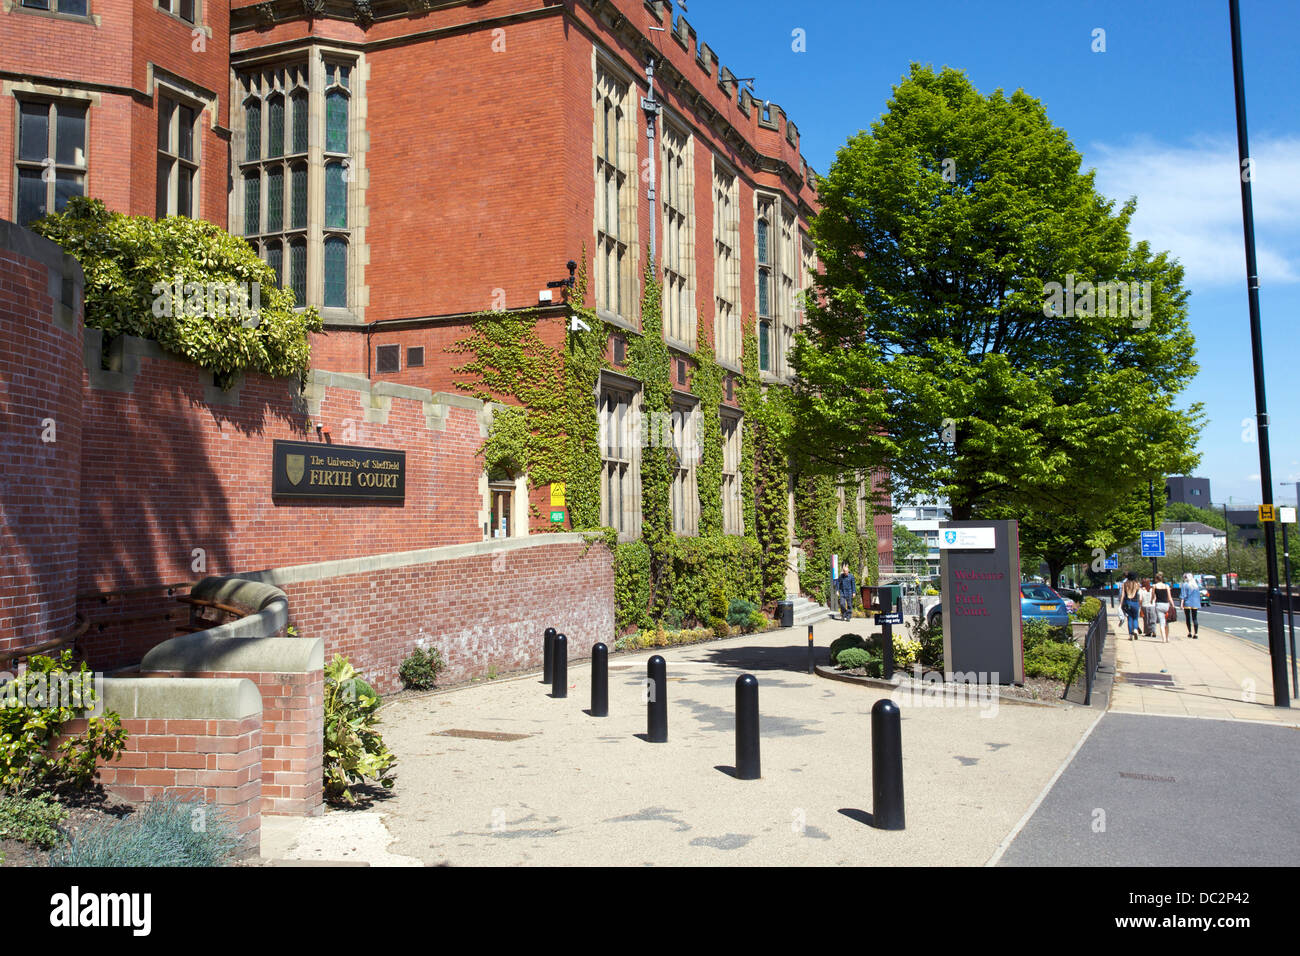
(1093, 646)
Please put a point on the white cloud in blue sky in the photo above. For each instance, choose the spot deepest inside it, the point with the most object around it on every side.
(1189, 202)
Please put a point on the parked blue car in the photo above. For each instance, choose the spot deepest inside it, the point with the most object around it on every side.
(1038, 600)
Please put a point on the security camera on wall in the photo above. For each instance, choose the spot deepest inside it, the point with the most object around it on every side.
(577, 325)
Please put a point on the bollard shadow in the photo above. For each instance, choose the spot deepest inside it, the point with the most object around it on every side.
(729, 771)
(646, 738)
(587, 711)
(859, 816)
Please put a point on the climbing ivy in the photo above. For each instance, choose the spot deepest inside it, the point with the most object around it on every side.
(766, 465)
(649, 361)
(706, 384)
(552, 434)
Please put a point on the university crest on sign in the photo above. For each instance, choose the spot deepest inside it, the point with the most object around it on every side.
(295, 467)
(949, 536)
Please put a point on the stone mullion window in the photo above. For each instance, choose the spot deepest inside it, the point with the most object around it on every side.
(726, 271)
(296, 203)
(620, 503)
(763, 256)
(733, 521)
(787, 269)
(51, 156)
(685, 493)
(72, 8)
(616, 195)
(678, 244)
(178, 166)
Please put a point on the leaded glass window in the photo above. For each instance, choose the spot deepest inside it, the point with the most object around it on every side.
(336, 272)
(336, 197)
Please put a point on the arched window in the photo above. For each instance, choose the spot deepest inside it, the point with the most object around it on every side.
(275, 126)
(336, 196)
(252, 128)
(336, 272)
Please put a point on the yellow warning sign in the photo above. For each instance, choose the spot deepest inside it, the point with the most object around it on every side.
(557, 494)
(1267, 513)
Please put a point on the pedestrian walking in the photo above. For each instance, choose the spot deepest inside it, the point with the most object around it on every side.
(1130, 604)
(1163, 600)
(846, 587)
(1147, 598)
(1190, 595)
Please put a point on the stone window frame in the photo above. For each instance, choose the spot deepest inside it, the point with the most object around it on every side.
(677, 218)
(619, 413)
(788, 266)
(766, 214)
(733, 503)
(55, 13)
(313, 240)
(615, 166)
(685, 440)
(177, 98)
(783, 267)
(51, 99)
(727, 339)
(176, 14)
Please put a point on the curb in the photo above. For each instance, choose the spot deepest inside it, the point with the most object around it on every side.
(829, 674)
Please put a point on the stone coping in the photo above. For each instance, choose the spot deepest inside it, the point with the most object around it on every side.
(324, 570)
(205, 651)
(185, 698)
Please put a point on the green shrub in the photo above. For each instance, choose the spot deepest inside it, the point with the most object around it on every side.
(739, 610)
(164, 832)
(758, 621)
(128, 259)
(354, 750)
(32, 715)
(421, 669)
(718, 604)
(1088, 609)
(31, 819)
(930, 639)
(843, 643)
(673, 618)
(854, 657)
(906, 652)
(1052, 659)
(720, 627)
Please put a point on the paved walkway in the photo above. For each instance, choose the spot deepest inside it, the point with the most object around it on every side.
(1216, 676)
(539, 782)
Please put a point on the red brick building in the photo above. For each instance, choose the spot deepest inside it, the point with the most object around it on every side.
(405, 165)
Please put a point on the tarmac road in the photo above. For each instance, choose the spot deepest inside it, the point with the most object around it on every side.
(1170, 791)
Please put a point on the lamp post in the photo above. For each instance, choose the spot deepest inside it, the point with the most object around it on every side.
(1276, 642)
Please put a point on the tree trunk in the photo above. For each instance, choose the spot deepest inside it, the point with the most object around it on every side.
(1054, 569)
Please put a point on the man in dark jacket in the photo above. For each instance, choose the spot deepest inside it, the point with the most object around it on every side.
(846, 587)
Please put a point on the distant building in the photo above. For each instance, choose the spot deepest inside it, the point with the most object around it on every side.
(1190, 491)
(923, 521)
(1245, 521)
(1191, 535)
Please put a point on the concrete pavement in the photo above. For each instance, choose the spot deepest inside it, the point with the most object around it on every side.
(503, 774)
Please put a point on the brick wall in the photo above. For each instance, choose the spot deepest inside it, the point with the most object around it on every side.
(218, 761)
(481, 611)
(168, 467)
(40, 438)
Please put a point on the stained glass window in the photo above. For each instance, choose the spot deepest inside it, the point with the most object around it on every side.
(336, 121)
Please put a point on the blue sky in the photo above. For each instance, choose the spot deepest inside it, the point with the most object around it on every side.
(1153, 114)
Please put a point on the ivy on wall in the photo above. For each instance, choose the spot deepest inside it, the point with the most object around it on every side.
(765, 460)
(554, 435)
(706, 384)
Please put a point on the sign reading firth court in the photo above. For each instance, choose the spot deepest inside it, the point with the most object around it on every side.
(303, 469)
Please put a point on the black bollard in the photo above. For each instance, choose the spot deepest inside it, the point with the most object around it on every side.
(657, 702)
(887, 645)
(548, 653)
(747, 763)
(810, 649)
(886, 766)
(600, 681)
(560, 667)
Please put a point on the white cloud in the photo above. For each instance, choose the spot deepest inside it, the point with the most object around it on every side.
(1189, 202)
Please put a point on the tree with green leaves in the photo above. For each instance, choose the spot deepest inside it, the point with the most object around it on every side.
(908, 544)
(936, 346)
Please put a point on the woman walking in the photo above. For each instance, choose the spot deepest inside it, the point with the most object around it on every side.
(1164, 600)
(1130, 604)
(1147, 599)
(1190, 594)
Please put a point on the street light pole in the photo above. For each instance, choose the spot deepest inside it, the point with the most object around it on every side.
(1276, 642)
(1151, 495)
(1290, 610)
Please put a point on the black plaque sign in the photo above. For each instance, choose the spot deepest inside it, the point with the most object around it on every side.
(980, 563)
(303, 469)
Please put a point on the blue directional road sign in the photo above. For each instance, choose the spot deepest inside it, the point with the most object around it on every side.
(1112, 563)
(1153, 544)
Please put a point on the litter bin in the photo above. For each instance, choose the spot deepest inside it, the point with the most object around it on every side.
(785, 609)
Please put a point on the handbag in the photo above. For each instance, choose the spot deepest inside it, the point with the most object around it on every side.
(1173, 613)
